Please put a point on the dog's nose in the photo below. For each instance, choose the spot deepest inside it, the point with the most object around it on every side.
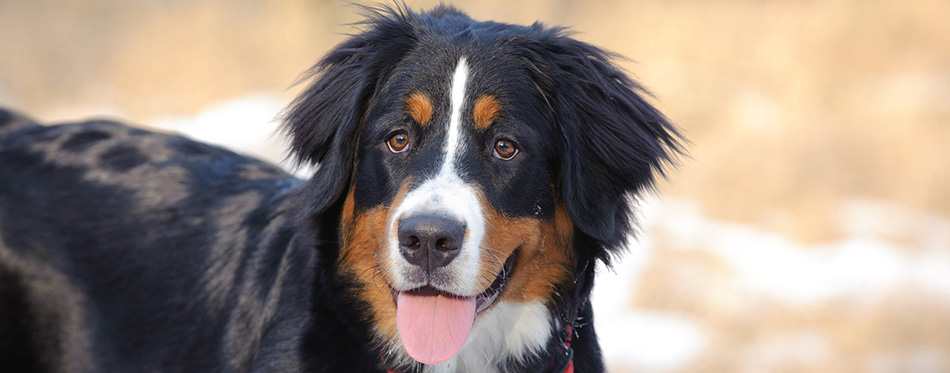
(430, 241)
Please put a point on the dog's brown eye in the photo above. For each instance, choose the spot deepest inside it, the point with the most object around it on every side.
(505, 149)
(398, 142)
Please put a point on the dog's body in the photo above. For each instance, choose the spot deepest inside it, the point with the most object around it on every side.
(471, 175)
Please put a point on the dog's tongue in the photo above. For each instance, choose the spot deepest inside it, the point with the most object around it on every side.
(433, 327)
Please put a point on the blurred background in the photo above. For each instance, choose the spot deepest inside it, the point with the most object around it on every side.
(808, 231)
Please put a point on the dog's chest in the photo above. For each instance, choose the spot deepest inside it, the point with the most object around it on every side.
(511, 330)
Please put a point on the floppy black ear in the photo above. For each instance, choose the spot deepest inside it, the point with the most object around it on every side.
(323, 122)
(614, 142)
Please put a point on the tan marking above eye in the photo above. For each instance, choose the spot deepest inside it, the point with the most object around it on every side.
(419, 107)
(486, 111)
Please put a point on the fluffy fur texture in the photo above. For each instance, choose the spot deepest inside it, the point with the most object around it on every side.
(126, 250)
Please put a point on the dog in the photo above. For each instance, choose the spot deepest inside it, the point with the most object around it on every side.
(470, 176)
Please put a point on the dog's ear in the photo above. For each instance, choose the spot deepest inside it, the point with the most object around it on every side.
(613, 142)
(323, 122)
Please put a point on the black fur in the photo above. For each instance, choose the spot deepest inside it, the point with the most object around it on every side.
(126, 250)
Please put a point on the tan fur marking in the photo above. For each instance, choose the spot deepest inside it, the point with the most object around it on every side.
(364, 242)
(486, 111)
(545, 257)
(419, 107)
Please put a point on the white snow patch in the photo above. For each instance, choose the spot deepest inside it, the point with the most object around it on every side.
(247, 124)
(801, 347)
(861, 267)
(647, 340)
(910, 359)
(639, 339)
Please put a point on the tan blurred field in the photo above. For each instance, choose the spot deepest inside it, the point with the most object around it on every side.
(794, 110)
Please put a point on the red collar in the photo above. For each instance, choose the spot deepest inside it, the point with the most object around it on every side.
(563, 363)
(568, 351)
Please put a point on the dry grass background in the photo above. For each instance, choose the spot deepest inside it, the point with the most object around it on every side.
(793, 107)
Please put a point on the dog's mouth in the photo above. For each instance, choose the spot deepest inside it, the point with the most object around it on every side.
(488, 297)
(483, 300)
(434, 325)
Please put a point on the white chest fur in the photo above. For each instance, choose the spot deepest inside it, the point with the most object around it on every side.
(508, 330)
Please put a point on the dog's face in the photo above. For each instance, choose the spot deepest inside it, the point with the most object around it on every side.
(452, 207)
(470, 159)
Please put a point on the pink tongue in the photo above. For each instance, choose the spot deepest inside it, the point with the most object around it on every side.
(433, 328)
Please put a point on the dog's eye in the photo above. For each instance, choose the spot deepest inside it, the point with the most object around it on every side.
(398, 142)
(505, 149)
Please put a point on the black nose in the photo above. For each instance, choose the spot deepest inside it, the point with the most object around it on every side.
(430, 241)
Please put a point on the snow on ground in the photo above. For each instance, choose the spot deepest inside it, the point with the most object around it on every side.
(861, 268)
(863, 265)
(247, 124)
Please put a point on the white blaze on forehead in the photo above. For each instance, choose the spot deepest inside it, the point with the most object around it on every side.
(455, 127)
(445, 194)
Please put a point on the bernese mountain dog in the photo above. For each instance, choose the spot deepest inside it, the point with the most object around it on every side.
(470, 177)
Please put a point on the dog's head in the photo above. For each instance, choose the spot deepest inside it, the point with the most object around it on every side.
(479, 170)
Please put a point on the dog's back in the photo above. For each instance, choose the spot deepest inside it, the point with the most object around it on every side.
(124, 249)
